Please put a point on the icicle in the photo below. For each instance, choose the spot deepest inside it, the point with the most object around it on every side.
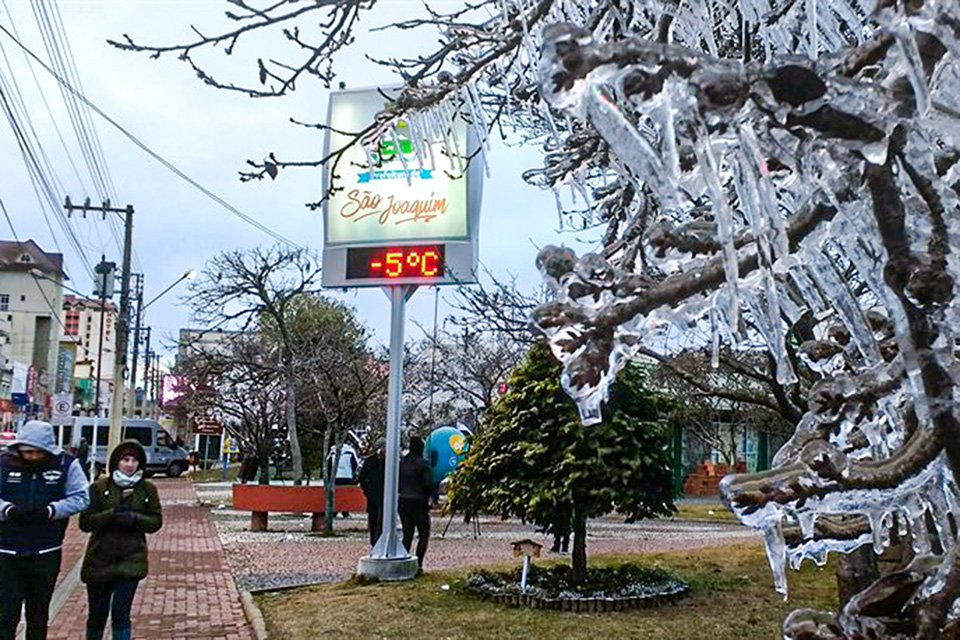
(776, 548)
(478, 123)
(807, 519)
(715, 338)
(813, 45)
(399, 154)
(914, 65)
(724, 217)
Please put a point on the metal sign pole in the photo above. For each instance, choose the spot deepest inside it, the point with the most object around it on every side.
(389, 560)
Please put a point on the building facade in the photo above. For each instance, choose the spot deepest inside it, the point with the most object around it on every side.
(31, 294)
(89, 340)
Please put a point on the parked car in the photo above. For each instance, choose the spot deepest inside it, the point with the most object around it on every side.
(164, 455)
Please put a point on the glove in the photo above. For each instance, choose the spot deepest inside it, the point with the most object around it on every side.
(125, 519)
(28, 514)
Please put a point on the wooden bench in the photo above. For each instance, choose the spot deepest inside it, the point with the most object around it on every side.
(260, 500)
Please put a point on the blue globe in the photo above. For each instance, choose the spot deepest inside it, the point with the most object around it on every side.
(444, 449)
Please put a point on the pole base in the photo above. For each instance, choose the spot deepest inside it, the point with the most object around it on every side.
(388, 569)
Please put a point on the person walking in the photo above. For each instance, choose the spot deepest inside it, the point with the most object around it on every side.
(83, 456)
(40, 488)
(124, 507)
(371, 483)
(416, 489)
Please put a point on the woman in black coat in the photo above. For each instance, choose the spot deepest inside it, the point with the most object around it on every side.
(124, 507)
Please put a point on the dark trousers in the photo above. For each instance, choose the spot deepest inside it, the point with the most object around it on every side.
(375, 523)
(112, 599)
(415, 514)
(29, 579)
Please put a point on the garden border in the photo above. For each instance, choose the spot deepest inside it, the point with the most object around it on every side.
(587, 605)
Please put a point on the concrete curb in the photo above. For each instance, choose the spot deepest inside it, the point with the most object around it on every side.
(254, 615)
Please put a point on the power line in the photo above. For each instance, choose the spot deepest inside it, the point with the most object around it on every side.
(54, 312)
(46, 103)
(85, 112)
(57, 45)
(156, 156)
(41, 182)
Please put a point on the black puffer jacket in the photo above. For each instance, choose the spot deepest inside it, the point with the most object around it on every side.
(416, 482)
(118, 550)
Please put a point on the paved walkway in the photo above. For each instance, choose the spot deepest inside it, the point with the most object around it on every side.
(189, 593)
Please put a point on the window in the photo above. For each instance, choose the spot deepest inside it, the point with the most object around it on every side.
(25, 257)
(143, 435)
(164, 440)
(103, 433)
(71, 326)
(23, 298)
(4, 302)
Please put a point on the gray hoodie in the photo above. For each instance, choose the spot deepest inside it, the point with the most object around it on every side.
(39, 434)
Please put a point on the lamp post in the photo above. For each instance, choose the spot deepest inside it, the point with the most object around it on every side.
(188, 275)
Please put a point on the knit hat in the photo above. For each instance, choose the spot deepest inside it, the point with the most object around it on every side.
(127, 448)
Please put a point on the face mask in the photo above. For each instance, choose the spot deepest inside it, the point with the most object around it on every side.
(124, 481)
(33, 464)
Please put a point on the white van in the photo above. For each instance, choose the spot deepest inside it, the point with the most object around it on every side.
(163, 453)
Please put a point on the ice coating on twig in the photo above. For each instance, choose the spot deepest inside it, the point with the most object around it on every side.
(823, 187)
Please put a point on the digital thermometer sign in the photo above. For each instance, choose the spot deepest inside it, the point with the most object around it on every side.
(420, 261)
(403, 210)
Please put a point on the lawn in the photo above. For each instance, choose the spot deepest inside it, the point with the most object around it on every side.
(704, 512)
(732, 599)
(214, 474)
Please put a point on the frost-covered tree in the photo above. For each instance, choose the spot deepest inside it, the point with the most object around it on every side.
(756, 163)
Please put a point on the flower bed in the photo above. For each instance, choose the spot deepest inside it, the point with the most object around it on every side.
(615, 588)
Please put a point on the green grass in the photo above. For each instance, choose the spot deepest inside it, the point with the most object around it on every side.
(214, 474)
(732, 598)
(704, 512)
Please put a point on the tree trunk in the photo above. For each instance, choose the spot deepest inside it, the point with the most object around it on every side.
(329, 481)
(264, 471)
(578, 557)
(856, 571)
(291, 402)
(264, 449)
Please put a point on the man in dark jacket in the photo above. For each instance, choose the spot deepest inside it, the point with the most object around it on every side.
(40, 488)
(371, 482)
(416, 488)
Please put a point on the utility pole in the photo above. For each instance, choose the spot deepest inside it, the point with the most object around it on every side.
(157, 385)
(132, 399)
(146, 373)
(123, 319)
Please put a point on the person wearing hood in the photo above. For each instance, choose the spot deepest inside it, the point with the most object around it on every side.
(371, 483)
(124, 507)
(40, 488)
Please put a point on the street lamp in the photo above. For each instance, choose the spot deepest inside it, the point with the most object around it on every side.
(189, 275)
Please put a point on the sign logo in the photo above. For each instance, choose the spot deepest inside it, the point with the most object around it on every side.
(408, 187)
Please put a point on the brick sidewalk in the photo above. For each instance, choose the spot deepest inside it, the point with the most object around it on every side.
(189, 592)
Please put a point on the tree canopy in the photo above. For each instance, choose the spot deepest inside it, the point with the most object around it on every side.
(535, 460)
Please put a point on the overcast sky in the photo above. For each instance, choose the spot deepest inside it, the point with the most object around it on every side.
(208, 134)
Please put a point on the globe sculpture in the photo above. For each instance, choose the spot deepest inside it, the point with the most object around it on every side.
(445, 448)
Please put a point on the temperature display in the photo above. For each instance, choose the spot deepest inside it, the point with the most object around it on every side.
(422, 261)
